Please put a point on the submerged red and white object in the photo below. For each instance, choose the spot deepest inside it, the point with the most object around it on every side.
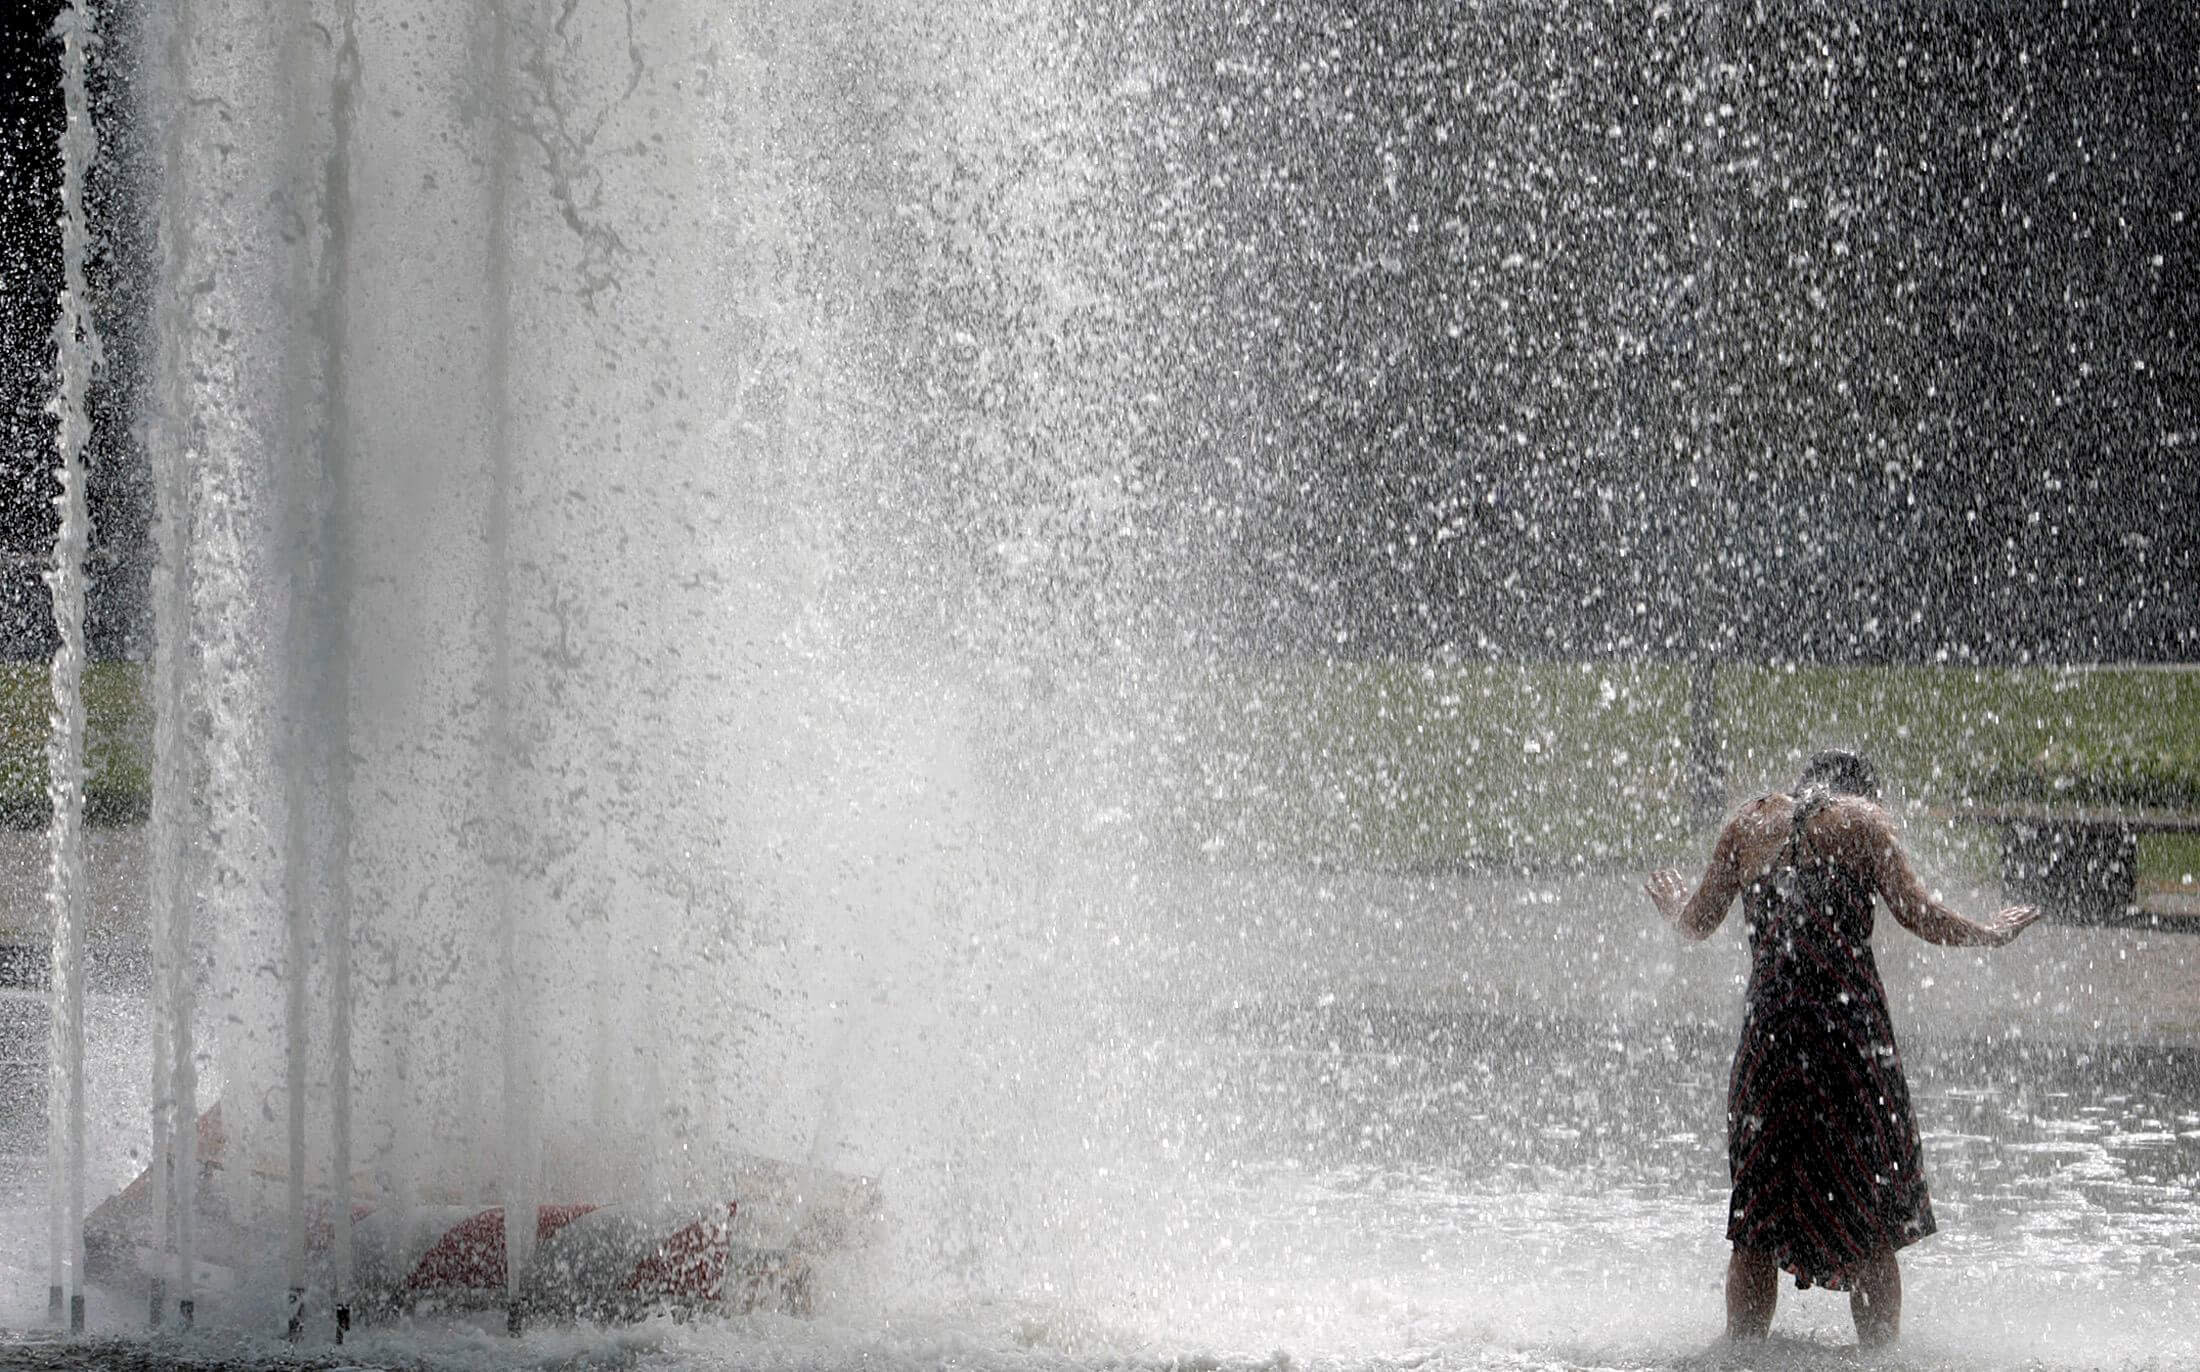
(754, 1250)
(598, 1261)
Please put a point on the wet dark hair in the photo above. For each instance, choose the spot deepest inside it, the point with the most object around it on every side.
(1841, 772)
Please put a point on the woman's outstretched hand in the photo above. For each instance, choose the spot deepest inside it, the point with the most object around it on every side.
(2005, 924)
(1668, 891)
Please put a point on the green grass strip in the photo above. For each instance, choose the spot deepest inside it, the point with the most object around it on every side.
(1409, 765)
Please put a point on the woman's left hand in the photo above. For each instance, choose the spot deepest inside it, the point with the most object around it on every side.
(2004, 925)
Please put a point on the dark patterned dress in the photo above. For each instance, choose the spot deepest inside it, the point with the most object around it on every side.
(1819, 1138)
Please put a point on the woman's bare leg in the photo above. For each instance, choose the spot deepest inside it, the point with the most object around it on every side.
(1876, 1300)
(1752, 1290)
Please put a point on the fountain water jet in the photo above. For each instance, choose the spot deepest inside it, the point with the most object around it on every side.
(77, 351)
(564, 651)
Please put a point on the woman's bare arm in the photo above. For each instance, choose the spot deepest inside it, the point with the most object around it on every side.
(1916, 909)
(1697, 915)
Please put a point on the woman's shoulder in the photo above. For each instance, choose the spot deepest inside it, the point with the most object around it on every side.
(1857, 819)
(1757, 829)
(1858, 826)
(1773, 807)
(1859, 812)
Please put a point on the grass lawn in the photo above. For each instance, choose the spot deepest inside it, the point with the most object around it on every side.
(1413, 764)
(1952, 735)
(2170, 863)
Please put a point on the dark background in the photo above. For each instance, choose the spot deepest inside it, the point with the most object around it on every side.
(1505, 354)
(1849, 334)
(31, 120)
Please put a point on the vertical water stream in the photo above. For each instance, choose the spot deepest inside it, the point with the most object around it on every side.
(336, 590)
(177, 813)
(518, 1132)
(77, 355)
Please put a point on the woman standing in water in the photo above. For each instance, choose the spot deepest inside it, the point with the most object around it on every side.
(1824, 1153)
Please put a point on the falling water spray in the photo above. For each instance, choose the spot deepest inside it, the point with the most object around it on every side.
(76, 345)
